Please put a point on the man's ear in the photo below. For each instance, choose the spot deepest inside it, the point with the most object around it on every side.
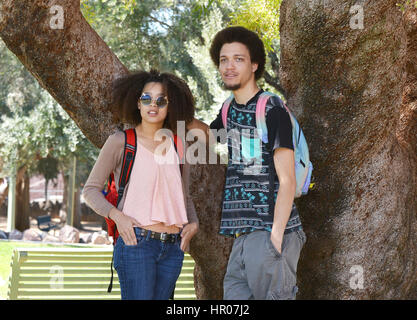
(254, 66)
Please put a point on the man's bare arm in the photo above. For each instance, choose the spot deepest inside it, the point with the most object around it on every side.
(284, 166)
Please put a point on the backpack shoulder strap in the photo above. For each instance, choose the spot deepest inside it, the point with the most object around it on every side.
(129, 154)
(263, 132)
(260, 115)
(225, 110)
(295, 124)
(128, 160)
(179, 148)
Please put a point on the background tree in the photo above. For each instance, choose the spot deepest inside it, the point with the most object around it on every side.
(42, 142)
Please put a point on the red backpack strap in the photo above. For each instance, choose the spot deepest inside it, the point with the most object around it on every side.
(128, 160)
(179, 148)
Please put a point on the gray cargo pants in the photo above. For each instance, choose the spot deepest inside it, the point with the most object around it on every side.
(256, 270)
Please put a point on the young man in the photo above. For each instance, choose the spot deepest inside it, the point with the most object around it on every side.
(268, 241)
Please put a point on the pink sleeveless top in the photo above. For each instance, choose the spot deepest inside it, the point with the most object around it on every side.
(155, 191)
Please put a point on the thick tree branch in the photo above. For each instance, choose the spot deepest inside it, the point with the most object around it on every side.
(274, 82)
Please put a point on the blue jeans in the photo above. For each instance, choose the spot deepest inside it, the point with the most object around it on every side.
(148, 270)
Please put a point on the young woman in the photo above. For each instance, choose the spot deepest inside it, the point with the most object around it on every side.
(156, 218)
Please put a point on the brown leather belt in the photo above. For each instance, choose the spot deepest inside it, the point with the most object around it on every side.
(163, 237)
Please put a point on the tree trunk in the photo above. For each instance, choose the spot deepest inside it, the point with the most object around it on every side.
(209, 249)
(22, 200)
(77, 209)
(354, 91)
(77, 68)
(65, 179)
(46, 190)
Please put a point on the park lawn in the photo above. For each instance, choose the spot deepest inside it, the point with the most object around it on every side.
(6, 251)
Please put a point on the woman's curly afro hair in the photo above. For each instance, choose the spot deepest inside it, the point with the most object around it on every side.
(128, 89)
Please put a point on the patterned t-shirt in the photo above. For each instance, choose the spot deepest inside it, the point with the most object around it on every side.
(245, 205)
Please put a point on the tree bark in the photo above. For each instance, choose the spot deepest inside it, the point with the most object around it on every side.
(209, 249)
(354, 92)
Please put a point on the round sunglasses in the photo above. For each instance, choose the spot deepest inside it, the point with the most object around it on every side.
(146, 100)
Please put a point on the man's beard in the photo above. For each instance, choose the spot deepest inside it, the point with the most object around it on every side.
(232, 87)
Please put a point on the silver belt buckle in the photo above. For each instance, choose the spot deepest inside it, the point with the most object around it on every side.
(164, 236)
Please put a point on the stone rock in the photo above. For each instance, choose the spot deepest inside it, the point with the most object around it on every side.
(69, 234)
(32, 235)
(100, 238)
(85, 237)
(50, 238)
(15, 235)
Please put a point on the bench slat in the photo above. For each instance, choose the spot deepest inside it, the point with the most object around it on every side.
(67, 250)
(68, 277)
(66, 292)
(97, 297)
(69, 285)
(90, 271)
(67, 258)
(68, 264)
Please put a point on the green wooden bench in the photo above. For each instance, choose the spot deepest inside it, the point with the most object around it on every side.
(75, 274)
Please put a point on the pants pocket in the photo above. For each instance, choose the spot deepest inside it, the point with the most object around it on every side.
(284, 294)
(271, 248)
(302, 236)
(139, 240)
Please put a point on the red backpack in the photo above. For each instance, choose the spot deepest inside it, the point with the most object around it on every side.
(114, 196)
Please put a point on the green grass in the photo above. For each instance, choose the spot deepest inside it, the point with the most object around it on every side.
(6, 251)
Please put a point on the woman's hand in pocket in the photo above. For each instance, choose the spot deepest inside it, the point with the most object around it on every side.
(187, 234)
(125, 225)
